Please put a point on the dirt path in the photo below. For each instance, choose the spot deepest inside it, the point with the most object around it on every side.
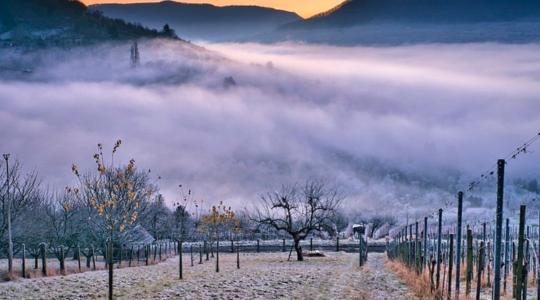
(262, 276)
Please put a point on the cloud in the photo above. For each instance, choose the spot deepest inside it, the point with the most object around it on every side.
(398, 128)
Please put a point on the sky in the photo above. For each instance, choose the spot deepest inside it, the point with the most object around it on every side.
(398, 129)
(304, 8)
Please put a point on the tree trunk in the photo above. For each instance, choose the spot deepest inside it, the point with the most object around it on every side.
(298, 249)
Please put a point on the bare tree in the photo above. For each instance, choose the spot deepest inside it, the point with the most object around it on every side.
(16, 195)
(299, 211)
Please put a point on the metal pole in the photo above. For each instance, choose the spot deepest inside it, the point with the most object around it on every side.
(498, 231)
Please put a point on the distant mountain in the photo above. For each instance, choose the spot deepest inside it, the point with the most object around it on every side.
(62, 23)
(403, 21)
(201, 21)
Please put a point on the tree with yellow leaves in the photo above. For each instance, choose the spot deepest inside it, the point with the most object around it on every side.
(219, 220)
(115, 196)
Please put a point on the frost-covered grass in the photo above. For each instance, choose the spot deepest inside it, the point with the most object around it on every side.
(262, 276)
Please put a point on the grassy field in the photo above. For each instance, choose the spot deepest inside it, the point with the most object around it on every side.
(261, 276)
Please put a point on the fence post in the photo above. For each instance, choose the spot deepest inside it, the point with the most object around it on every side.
(283, 247)
(450, 265)
(458, 241)
(416, 249)
(424, 258)
(258, 245)
(480, 266)
(110, 265)
(439, 233)
(519, 262)
(237, 255)
(506, 254)
(311, 244)
(130, 255)
(498, 230)
(93, 258)
(191, 253)
(217, 256)
(79, 257)
(469, 262)
(337, 243)
(180, 259)
(537, 260)
(200, 254)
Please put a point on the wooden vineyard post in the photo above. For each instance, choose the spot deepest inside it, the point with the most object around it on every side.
(498, 230)
(526, 266)
(337, 243)
(191, 253)
(360, 246)
(425, 256)
(217, 256)
(506, 254)
(518, 267)
(237, 255)
(200, 254)
(409, 247)
(93, 258)
(458, 241)
(469, 262)
(130, 255)
(111, 263)
(147, 254)
(416, 249)
(79, 257)
(439, 233)
(480, 259)
(180, 266)
(450, 265)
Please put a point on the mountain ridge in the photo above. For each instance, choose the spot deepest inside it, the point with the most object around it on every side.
(202, 21)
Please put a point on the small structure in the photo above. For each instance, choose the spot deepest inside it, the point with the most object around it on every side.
(138, 236)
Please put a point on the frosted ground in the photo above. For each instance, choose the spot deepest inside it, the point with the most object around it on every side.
(262, 276)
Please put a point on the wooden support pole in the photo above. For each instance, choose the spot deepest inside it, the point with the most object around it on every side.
(425, 256)
(450, 265)
(520, 253)
(439, 236)
(458, 241)
(507, 255)
(498, 230)
(469, 271)
(180, 263)
(479, 270)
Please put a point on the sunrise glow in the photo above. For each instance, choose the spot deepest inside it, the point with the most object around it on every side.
(304, 8)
